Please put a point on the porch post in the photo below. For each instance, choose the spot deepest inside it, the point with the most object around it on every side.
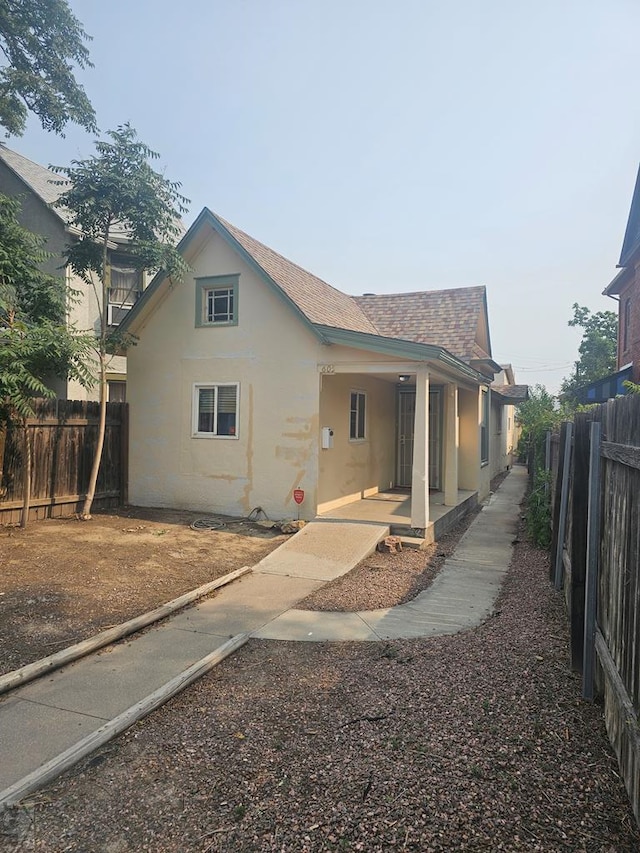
(420, 470)
(451, 446)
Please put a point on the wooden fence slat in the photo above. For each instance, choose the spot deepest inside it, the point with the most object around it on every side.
(593, 544)
(565, 462)
(613, 593)
(579, 504)
(621, 453)
(64, 433)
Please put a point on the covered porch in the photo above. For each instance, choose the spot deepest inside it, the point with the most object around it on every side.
(393, 507)
(411, 455)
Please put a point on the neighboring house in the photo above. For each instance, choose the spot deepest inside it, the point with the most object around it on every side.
(625, 289)
(253, 378)
(606, 388)
(32, 184)
(505, 432)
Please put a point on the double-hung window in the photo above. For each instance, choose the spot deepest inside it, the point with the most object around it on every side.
(357, 415)
(217, 300)
(124, 288)
(215, 409)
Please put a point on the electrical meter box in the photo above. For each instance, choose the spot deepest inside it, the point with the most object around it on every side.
(327, 438)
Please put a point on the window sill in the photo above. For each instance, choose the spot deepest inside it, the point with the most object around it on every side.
(212, 435)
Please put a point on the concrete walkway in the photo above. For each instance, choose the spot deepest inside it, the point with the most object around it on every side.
(461, 596)
(43, 719)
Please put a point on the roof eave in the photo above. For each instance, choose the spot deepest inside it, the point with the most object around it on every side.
(209, 217)
(398, 347)
(206, 217)
(508, 399)
(487, 362)
(627, 252)
(614, 287)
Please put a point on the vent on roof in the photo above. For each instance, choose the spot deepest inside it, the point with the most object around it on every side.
(368, 294)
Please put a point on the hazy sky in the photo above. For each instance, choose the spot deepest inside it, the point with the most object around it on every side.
(390, 147)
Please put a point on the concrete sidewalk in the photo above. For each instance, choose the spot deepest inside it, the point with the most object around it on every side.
(461, 596)
(43, 719)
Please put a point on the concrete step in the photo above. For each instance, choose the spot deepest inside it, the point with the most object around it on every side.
(413, 542)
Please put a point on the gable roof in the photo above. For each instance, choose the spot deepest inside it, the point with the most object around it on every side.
(335, 317)
(631, 240)
(37, 178)
(445, 318)
(41, 181)
(318, 301)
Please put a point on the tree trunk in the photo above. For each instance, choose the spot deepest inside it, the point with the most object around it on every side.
(102, 348)
(102, 424)
(26, 475)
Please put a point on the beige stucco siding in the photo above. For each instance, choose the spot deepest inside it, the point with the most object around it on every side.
(271, 354)
(471, 475)
(353, 468)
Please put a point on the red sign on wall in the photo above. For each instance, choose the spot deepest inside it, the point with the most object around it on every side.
(298, 495)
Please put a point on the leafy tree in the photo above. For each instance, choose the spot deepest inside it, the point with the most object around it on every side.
(598, 348)
(118, 191)
(35, 342)
(536, 416)
(41, 40)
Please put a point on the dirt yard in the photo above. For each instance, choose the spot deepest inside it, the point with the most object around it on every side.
(64, 580)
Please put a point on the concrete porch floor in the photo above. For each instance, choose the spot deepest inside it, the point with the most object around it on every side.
(394, 508)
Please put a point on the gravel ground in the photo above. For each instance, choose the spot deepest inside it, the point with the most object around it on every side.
(384, 580)
(473, 742)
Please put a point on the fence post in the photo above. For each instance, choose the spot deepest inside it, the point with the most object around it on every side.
(579, 509)
(124, 453)
(593, 546)
(565, 464)
(547, 460)
(547, 451)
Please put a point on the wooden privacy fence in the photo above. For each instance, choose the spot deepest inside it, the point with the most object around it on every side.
(595, 557)
(64, 435)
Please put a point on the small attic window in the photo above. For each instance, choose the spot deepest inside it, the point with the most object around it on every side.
(217, 300)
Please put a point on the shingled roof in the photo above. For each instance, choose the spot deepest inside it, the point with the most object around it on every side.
(512, 393)
(41, 181)
(319, 302)
(452, 321)
(36, 177)
(444, 318)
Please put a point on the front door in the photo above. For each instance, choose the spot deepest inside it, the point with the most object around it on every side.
(406, 418)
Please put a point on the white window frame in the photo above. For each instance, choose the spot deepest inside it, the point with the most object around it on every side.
(359, 394)
(114, 317)
(206, 289)
(195, 410)
(119, 306)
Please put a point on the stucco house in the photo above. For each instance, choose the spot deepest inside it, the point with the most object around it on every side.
(33, 185)
(253, 378)
(505, 431)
